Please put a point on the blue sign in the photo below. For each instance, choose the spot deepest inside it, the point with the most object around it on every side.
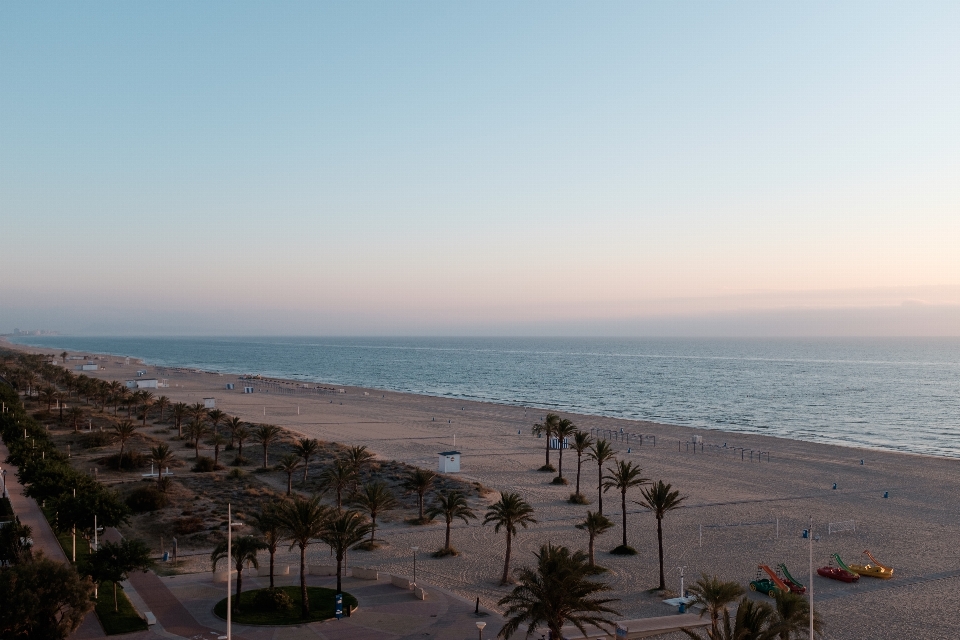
(339, 605)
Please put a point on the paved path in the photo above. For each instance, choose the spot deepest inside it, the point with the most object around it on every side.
(43, 536)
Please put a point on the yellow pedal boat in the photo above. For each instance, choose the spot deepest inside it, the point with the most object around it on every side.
(873, 570)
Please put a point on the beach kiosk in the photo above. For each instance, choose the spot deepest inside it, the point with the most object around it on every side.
(449, 462)
(209, 403)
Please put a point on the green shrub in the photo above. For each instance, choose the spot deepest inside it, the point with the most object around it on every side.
(96, 439)
(186, 526)
(204, 465)
(146, 499)
(131, 460)
(272, 600)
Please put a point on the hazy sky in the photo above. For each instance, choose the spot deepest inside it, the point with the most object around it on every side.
(480, 168)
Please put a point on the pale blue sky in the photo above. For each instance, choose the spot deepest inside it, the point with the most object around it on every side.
(397, 168)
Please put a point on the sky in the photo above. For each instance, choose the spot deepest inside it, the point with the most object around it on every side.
(485, 168)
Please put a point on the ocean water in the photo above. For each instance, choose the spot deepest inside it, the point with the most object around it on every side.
(900, 394)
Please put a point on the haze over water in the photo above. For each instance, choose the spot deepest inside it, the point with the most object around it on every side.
(898, 394)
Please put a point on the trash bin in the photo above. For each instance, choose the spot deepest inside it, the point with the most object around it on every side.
(806, 533)
(683, 607)
(166, 556)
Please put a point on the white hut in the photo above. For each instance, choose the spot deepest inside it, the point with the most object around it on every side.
(147, 383)
(449, 462)
(209, 403)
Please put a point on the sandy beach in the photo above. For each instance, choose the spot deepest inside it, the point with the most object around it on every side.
(742, 508)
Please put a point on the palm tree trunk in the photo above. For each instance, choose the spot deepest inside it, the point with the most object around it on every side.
(623, 506)
(663, 584)
(116, 605)
(590, 548)
(306, 462)
(448, 534)
(339, 570)
(120, 459)
(196, 448)
(236, 600)
(289, 483)
(304, 604)
(506, 561)
(578, 474)
(600, 490)
(420, 504)
(548, 449)
(272, 553)
(264, 456)
(560, 463)
(373, 527)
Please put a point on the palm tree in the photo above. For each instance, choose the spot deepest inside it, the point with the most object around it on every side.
(47, 395)
(197, 411)
(753, 621)
(508, 512)
(341, 532)
(289, 464)
(215, 416)
(581, 442)
(161, 456)
(232, 425)
(337, 476)
(162, 403)
(375, 498)
(600, 452)
(265, 435)
(123, 432)
(179, 413)
(306, 448)
(622, 477)
(304, 519)
(660, 499)
(450, 504)
(146, 401)
(793, 616)
(715, 596)
(267, 522)
(74, 414)
(419, 481)
(244, 551)
(596, 524)
(559, 590)
(241, 433)
(217, 441)
(545, 429)
(564, 429)
(60, 397)
(357, 458)
(196, 431)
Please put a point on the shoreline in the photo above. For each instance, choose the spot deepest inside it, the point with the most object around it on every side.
(739, 513)
(585, 417)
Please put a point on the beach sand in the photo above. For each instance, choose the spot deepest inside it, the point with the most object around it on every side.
(739, 512)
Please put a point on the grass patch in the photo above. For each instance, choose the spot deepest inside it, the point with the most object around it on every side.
(125, 619)
(559, 480)
(418, 521)
(320, 599)
(578, 498)
(547, 468)
(446, 551)
(368, 546)
(624, 550)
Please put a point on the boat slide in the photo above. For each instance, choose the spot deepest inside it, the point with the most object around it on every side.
(775, 578)
(795, 585)
(875, 570)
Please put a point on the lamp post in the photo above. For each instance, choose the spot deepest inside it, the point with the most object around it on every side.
(480, 626)
(414, 549)
(230, 525)
(3, 476)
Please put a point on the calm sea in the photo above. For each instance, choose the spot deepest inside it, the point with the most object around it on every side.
(900, 394)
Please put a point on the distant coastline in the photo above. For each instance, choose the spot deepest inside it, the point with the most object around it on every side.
(894, 395)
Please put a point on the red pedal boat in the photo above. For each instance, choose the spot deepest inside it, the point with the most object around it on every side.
(841, 573)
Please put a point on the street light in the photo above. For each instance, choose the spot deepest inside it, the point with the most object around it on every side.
(480, 626)
(230, 526)
(414, 549)
(3, 476)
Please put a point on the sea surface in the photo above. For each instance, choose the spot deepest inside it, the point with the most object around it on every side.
(890, 393)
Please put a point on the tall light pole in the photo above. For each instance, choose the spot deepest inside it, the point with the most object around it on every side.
(230, 525)
(810, 536)
(480, 626)
(414, 549)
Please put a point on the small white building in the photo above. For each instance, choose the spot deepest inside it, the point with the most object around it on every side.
(147, 383)
(90, 366)
(209, 403)
(230, 386)
(449, 462)
(248, 389)
(556, 444)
